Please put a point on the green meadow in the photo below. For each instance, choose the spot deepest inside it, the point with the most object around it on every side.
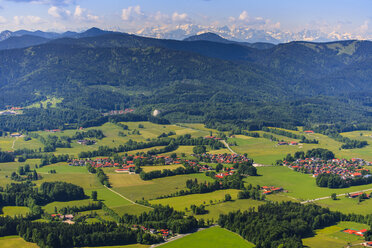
(14, 211)
(15, 241)
(300, 186)
(210, 238)
(334, 237)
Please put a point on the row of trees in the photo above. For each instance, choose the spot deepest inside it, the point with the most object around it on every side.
(169, 143)
(167, 173)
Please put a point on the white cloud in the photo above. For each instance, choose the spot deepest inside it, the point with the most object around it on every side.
(2, 20)
(47, 2)
(176, 17)
(26, 20)
(83, 15)
(243, 16)
(58, 12)
(131, 12)
(78, 11)
(364, 27)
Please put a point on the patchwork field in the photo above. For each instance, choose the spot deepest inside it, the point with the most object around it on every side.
(210, 238)
(334, 237)
(300, 187)
(132, 187)
(15, 241)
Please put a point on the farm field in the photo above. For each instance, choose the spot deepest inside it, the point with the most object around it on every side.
(15, 241)
(300, 186)
(210, 238)
(14, 211)
(347, 205)
(334, 237)
(182, 202)
(132, 187)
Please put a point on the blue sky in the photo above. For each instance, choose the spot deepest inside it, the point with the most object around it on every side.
(342, 16)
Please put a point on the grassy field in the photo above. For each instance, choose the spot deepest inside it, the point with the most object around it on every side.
(210, 238)
(14, 211)
(15, 241)
(123, 246)
(347, 205)
(132, 187)
(334, 237)
(300, 186)
(161, 167)
(51, 206)
(182, 202)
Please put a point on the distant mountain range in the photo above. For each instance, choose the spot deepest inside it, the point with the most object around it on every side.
(246, 34)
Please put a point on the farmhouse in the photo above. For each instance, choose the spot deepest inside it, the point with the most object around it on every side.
(354, 232)
(270, 189)
(15, 135)
(309, 131)
(282, 143)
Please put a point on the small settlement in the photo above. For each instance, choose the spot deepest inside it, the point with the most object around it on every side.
(346, 169)
(354, 232)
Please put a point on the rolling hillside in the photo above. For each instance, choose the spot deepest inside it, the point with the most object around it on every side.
(294, 83)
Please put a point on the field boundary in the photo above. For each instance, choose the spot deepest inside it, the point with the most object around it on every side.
(327, 197)
(135, 203)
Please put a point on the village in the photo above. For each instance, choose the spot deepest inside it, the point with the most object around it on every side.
(346, 169)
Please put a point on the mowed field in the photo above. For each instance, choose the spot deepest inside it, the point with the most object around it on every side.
(215, 208)
(15, 241)
(334, 237)
(14, 211)
(300, 186)
(348, 205)
(134, 188)
(210, 238)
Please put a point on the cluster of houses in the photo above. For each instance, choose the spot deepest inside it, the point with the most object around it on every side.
(67, 218)
(164, 232)
(222, 158)
(53, 131)
(354, 232)
(292, 143)
(86, 142)
(346, 169)
(228, 172)
(355, 195)
(119, 112)
(267, 190)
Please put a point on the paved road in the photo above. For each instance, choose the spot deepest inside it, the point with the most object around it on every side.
(228, 147)
(327, 197)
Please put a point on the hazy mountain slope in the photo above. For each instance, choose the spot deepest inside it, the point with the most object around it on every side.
(21, 42)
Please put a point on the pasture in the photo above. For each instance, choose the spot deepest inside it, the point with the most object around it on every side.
(300, 186)
(15, 211)
(347, 205)
(15, 241)
(210, 238)
(334, 237)
(132, 187)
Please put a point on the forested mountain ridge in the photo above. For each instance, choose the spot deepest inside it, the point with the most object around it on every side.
(296, 83)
